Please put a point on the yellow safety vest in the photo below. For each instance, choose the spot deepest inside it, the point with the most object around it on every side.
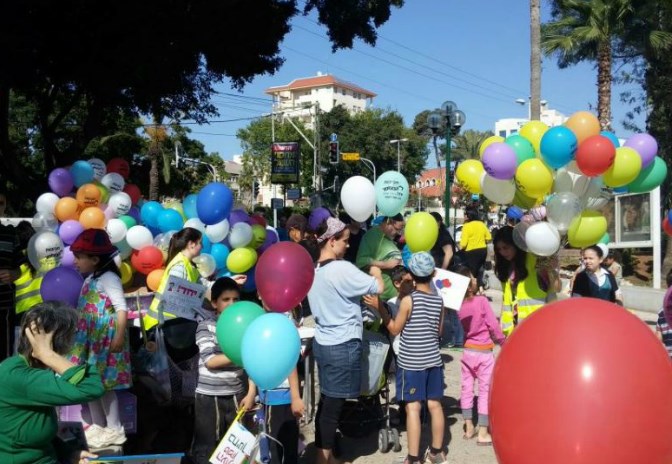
(27, 290)
(529, 297)
(152, 317)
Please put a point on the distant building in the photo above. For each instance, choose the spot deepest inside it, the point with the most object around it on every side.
(509, 126)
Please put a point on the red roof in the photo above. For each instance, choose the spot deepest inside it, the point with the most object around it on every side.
(436, 178)
(318, 81)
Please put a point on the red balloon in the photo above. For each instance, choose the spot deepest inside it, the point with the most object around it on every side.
(595, 155)
(120, 166)
(284, 274)
(565, 377)
(667, 227)
(134, 192)
(258, 219)
(147, 260)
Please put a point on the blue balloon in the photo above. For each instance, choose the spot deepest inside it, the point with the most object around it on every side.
(270, 350)
(514, 212)
(82, 173)
(169, 219)
(611, 136)
(224, 273)
(206, 244)
(391, 193)
(406, 255)
(558, 146)
(250, 284)
(220, 252)
(189, 206)
(214, 203)
(149, 213)
(378, 220)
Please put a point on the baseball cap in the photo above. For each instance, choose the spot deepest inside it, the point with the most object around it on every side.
(421, 264)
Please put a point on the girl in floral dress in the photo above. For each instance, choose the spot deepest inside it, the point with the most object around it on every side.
(101, 338)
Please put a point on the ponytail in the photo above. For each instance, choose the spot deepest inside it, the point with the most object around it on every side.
(180, 240)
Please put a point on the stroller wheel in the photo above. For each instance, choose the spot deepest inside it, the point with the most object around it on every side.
(383, 441)
(395, 440)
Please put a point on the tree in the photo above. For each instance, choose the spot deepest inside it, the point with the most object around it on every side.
(535, 60)
(467, 143)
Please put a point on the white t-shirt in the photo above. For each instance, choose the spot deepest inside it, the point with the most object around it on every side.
(110, 284)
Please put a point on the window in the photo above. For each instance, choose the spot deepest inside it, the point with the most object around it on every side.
(427, 183)
(433, 182)
(502, 133)
(513, 131)
(343, 92)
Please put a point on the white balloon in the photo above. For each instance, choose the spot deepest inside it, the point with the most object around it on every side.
(240, 235)
(497, 190)
(99, 168)
(45, 251)
(205, 264)
(563, 181)
(217, 232)
(120, 203)
(117, 260)
(46, 203)
(604, 248)
(195, 223)
(45, 221)
(542, 239)
(139, 237)
(561, 208)
(116, 229)
(113, 181)
(358, 197)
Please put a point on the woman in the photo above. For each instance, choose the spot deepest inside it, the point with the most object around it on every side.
(337, 347)
(595, 281)
(37, 380)
(474, 242)
(526, 289)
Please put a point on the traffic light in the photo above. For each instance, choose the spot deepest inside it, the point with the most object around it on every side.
(334, 153)
(255, 188)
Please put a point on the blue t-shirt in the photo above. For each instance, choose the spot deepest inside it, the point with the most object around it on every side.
(334, 301)
(276, 396)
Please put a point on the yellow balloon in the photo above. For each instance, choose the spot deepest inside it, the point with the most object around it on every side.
(586, 229)
(626, 168)
(525, 202)
(487, 142)
(533, 178)
(533, 131)
(469, 174)
(177, 206)
(126, 272)
(421, 232)
(241, 260)
(584, 124)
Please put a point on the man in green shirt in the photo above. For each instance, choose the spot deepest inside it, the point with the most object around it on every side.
(377, 248)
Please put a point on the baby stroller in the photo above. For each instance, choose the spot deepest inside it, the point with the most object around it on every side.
(371, 410)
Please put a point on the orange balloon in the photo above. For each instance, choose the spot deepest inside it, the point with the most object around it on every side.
(67, 208)
(92, 218)
(154, 279)
(88, 195)
(584, 124)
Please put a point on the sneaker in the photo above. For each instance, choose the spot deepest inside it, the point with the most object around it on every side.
(109, 437)
(92, 433)
(435, 458)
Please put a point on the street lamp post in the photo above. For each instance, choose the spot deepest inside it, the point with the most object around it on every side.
(398, 142)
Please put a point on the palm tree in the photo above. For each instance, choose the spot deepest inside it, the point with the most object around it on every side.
(465, 145)
(535, 60)
(157, 134)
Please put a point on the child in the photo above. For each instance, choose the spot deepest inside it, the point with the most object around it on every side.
(101, 340)
(613, 266)
(419, 364)
(481, 331)
(595, 281)
(222, 387)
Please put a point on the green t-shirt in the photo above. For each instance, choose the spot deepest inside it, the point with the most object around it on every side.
(375, 246)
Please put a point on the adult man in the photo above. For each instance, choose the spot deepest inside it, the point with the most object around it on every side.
(297, 229)
(10, 261)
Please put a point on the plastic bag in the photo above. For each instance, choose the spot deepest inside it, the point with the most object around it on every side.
(153, 370)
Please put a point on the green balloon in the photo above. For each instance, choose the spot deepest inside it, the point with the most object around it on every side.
(129, 221)
(523, 148)
(605, 239)
(523, 201)
(258, 236)
(231, 327)
(649, 178)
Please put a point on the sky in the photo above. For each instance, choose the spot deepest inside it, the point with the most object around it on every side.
(475, 53)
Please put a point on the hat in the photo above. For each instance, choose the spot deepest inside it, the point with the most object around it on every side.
(421, 264)
(93, 242)
(297, 221)
(334, 226)
(317, 217)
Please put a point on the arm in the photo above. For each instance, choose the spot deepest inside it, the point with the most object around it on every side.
(492, 324)
(111, 285)
(248, 400)
(297, 403)
(218, 361)
(396, 325)
(447, 256)
(376, 272)
(387, 264)
(464, 238)
(618, 295)
(207, 349)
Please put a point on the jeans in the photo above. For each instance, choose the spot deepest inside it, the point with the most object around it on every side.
(453, 332)
(339, 368)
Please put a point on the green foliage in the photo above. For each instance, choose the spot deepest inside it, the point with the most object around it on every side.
(466, 144)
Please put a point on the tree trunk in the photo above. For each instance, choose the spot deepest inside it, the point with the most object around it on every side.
(604, 85)
(535, 60)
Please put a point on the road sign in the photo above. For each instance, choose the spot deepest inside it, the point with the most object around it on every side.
(294, 194)
(277, 203)
(352, 156)
(333, 138)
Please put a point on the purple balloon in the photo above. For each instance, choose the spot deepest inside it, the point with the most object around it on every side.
(62, 284)
(68, 259)
(238, 215)
(499, 161)
(317, 216)
(69, 231)
(645, 145)
(134, 212)
(271, 238)
(60, 182)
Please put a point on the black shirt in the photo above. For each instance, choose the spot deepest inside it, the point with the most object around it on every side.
(443, 239)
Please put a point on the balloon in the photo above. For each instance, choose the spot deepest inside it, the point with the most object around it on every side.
(238, 215)
(60, 182)
(519, 233)
(604, 248)
(116, 229)
(241, 260)
(240, 235)
(258, 236)
(645, 145)
(605, 239)
(44, 221)
(82, 173)
(205, 264)
(219, 252)
(126, 272)
(595, 155)
(104, 192)
(469, 173)
(68, 259)
(149, 213)
(177, 206)
(284, 259)
(561, 208)
(139, 237)
(533, 131)
(214, 203)
(612, 137)
(542, 239)
(499, 161)
(270, 350)
(421, 232)
(538, 213)
(120, 203)
(196, 223)
(523, 148)
(217, 232)
(487, 142)
(319, 215)
(113, 181)
(92, 218)
(556, 352)
(120, 166)
(128, 220)
(134, 212)
(147, 259)
(667, 227)
(258, 219)
(558, 146)
(62, 284)
(498, 191)
(69, 231)
(169, 219)
(99, 168)
(124, 248)
(162, 242)
(44, 251)
(358, 197)
(627, 166)
(232, 325)
(189, 206)
(88, 195)
(584, 125)
(650, 177)
(154, 279)
(563, 181)
(271, 238)
(46, 203)
(250, 284)
(534, 179)
(406, 255)
(586, 229)
(133, 191)
(515, 213)
(391, 194)
(523, 201)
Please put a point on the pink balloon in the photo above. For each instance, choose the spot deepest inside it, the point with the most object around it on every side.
(284, 275)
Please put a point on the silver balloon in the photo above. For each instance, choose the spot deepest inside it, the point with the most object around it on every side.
(45, 221)
(519, 232)
(561, 208)
(205, 264)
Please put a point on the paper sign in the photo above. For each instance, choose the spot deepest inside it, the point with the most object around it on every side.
(173, 458)
(236, 446)
(451, 286)
(182, 298)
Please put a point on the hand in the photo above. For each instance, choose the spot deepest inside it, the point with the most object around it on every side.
(248, 402)
(371, 300)
(83, 457)
(117, 344)
(298, 408)
(240, 279)
(5, 277)
(375, 271)
(40, 341)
